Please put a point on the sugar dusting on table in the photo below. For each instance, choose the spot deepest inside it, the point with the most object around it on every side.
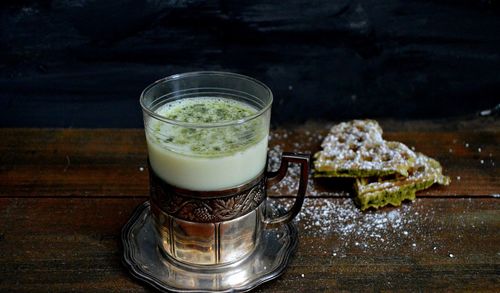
(342, 218)
(290, 183)
(345, 229)
(334, 216)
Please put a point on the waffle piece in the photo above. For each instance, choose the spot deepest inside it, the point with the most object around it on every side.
(357, 149)
(378, 192)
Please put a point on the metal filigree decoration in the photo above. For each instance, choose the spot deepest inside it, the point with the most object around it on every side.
(223, 206)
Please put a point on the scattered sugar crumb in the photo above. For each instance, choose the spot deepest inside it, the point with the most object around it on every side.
(405, 232)
(458, 178)
(485, 112)
(451, 255)
(334, 254)
(414, 245)
(434, 248)
(289, 185)
(412, 148)
(466, 145)
(302, 275)
(141, 169)
(478, 150)
(482, 161)
(496, 195)
(381, 230)
(450, 150)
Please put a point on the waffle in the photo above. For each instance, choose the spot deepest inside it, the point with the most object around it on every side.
(357, 149)
(378, 192)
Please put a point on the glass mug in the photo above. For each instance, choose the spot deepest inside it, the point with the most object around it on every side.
(207, 135)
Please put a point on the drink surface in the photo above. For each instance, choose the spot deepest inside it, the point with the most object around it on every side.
(207, 158)
(199, 141)
(206, 110)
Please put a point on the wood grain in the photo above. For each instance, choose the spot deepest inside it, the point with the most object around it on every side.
(61, 244)
(111, 163)
(66, 193)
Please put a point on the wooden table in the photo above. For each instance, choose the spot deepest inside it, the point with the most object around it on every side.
(66, 193)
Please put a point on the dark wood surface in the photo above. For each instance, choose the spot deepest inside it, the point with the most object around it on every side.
(66, 193)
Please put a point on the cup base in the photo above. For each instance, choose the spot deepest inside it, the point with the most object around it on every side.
(214, 269)
(146, 262)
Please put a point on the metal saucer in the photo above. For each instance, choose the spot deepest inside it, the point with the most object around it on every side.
(145, 262)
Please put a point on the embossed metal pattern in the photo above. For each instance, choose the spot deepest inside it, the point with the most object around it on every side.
(207, 207)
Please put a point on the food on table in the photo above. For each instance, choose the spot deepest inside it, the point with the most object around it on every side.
(385, 172)
(357, 149)
(379, 191)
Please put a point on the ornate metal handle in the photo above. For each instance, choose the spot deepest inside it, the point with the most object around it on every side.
(275, 177)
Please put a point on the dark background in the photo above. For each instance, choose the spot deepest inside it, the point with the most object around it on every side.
(83, 63)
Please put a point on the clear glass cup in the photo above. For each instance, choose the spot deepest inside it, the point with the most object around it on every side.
(207, 155)
(207, 136)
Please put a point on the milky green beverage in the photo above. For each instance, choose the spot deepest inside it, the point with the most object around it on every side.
(204, 149)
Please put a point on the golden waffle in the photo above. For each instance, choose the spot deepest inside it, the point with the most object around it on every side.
(378, 192)
(357, 149)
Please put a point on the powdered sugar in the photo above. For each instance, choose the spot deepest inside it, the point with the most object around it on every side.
(290, 183)
(330, 224)
(340, 217)
(358, 146)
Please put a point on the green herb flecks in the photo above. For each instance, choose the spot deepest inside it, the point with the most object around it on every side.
(211, 141)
